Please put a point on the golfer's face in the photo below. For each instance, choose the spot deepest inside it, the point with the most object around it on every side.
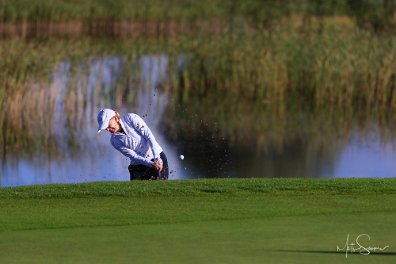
(114, 126)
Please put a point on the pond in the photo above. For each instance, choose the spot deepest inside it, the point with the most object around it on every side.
(213, 146)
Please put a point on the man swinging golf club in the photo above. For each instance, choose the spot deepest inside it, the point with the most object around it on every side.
(132, 137)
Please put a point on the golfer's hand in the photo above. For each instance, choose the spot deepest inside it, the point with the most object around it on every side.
(157, 164)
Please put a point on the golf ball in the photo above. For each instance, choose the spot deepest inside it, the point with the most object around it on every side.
(181, 157)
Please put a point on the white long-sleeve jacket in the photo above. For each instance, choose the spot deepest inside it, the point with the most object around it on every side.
(138, 143)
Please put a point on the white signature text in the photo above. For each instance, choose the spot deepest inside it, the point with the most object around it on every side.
(358, 246)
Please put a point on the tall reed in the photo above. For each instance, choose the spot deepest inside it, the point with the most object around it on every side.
(333, 69)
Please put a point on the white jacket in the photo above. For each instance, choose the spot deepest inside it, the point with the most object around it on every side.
(138, 143)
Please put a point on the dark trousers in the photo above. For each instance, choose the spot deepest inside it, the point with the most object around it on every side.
(142, 172)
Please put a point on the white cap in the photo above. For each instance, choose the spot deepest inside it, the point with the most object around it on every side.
(104, 117)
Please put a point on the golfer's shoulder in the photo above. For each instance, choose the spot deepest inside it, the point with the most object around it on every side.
(132, 118)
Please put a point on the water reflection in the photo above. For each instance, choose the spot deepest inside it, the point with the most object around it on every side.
(366, 157)
(235, 138)
(352, 160)
(219, 136)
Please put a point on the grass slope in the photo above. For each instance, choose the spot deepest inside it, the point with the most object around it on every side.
(198, 221)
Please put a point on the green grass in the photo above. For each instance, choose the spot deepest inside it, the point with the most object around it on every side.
(197, 221)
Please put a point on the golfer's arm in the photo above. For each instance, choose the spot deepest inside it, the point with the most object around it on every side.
(153, 143)
(132, 155)
(145, 131)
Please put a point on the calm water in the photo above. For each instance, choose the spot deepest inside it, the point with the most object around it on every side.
(95, 84)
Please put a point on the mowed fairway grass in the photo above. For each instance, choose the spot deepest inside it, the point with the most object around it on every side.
(199, 221)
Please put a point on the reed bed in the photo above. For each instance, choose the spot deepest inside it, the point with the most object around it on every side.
(131, 18)
(333, 70)
(322, 66)
(256, 88)
(93, 10)
(45, 18)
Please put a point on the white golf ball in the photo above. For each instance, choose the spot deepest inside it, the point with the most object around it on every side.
(181, 157)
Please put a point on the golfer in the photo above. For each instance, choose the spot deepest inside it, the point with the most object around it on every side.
(132, 137)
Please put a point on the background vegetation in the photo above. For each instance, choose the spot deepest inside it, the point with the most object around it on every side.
(376, 15)
(267, 58)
